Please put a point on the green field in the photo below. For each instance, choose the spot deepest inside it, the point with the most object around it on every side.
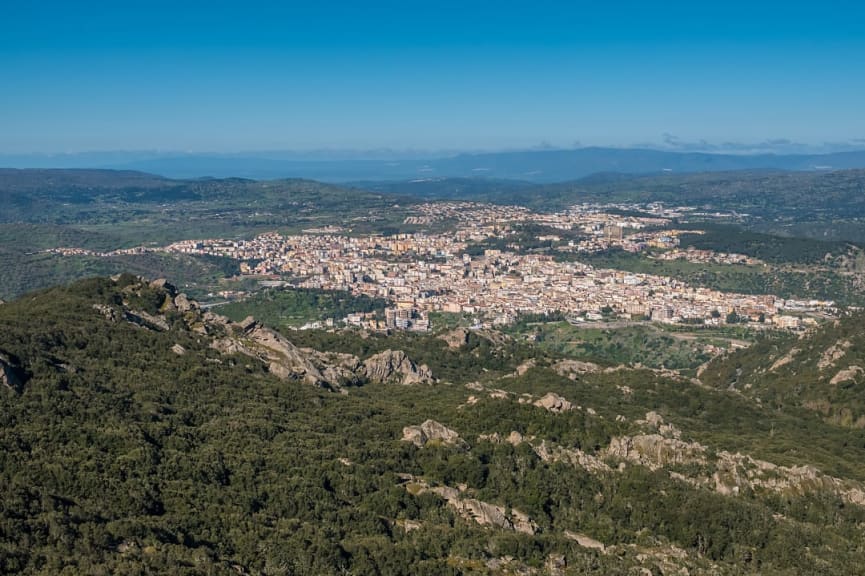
(293, 307)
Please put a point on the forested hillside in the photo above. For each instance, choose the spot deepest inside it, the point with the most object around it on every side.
(141, 434)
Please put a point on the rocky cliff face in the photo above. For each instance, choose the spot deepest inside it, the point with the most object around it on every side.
(282, 357)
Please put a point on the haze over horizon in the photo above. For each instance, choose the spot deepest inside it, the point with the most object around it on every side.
(217, 78)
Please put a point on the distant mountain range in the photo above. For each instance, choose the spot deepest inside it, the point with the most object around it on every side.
(541, 166)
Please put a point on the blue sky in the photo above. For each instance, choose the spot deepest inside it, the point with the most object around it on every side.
(238, 76)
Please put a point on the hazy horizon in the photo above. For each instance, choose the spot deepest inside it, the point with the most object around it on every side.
(217, 78)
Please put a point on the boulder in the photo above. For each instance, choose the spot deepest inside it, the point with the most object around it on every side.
(164, 284)
(554, 403)
(784, 360)
(431, 431)
(338, 369)
(522, 523)
(184, 304)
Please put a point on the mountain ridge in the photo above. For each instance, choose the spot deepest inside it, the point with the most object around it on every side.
(540, 166)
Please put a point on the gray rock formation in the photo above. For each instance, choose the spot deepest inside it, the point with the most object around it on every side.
(145, 320)
(184, 304)
(107, 311)
(849, 373)
(456, 338)
(431, 431)
(554, 403)
(525, 367)
(395, 366)
(585, 541)
(478, 511)
(573, 368)
(251, 338)
(655, 451)
(337, 369)
(833, 353)
(282, 357)
(164, 284)
(736, 473)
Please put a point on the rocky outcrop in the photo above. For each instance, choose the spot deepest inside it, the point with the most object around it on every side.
(553, 403)
(736, 473)
(336, 368)
(456, 338)
(184, 304)
(655, 451)
(784, 360)
(654, 422)
(283, 358)
(164, 284)
(833, 353)
(250, 338)
(572, 456)
(573, 368)
(585, 541)
(522, 523)
(145, 320)
(483, 513)
(107, 311)
(431, 431)
(849, 373)
(525, 367)
(395, 366)
(549, 452)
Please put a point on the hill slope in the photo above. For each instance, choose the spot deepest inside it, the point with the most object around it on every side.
(141, 434)
(823, 371)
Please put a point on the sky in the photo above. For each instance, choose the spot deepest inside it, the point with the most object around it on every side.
(221, 76)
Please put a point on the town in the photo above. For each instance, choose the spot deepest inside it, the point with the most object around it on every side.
(423, 272)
